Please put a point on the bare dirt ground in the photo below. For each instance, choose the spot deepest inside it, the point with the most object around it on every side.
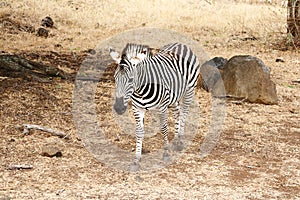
(258, 153)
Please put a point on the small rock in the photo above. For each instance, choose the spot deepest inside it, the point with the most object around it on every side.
(218, 45)
(144, 151)
(47, 22)
(279, 60)
(57, 45)
(51, 151)
(42, 32)
(28, 28)
(91, 51)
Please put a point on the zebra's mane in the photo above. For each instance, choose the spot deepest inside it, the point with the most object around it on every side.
(131, 50)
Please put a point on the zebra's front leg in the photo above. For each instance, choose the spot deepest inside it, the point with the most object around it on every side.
(164, 131)
(139, 133)
(177, 142)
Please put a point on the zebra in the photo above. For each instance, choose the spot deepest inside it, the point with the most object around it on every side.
(163, 80)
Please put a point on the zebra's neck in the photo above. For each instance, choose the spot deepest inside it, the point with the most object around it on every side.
(139, 75)
(149, 71)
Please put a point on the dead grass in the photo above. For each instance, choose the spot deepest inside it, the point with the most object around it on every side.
(82, 25)
(257, 156)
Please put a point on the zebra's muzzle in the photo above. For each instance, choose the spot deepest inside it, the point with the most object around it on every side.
(119, 106)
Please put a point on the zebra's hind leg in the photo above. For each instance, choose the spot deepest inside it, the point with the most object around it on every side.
(184, 110)
(164, 131)
(139, 118)
(177, 143)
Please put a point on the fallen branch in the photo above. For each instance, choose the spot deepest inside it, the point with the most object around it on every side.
(16, 66)
(13, 167)
(28, 127)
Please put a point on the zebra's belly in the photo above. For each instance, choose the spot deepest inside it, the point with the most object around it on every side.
(160, 99)
(146, 102)
(142, 104)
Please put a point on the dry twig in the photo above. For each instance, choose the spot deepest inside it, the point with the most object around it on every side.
(28, 127)
(13, 167)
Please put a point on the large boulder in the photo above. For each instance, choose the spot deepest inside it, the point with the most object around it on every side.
(249, 78)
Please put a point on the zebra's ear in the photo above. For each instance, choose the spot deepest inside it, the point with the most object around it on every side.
(114, 55)
(141, 56)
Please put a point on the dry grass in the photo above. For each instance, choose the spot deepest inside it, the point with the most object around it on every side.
(83, 24)
(257, 156)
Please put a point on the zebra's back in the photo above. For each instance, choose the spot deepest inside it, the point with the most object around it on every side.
(184, 60)
(166, 76)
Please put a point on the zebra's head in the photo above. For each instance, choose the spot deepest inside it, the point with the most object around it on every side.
(132, 55)
(135, 53)
(125, 74)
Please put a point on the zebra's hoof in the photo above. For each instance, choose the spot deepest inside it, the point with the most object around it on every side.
(178, 145)
(134, 167)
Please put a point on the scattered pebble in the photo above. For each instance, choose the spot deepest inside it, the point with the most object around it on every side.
(47, 22)
(42, 32)
(91, 51)
(279, 60)
(51, 151)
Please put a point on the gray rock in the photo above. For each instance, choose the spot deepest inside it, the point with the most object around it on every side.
(210, 76)
(218, 62)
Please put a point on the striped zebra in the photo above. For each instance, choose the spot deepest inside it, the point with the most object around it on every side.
(161, 80)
